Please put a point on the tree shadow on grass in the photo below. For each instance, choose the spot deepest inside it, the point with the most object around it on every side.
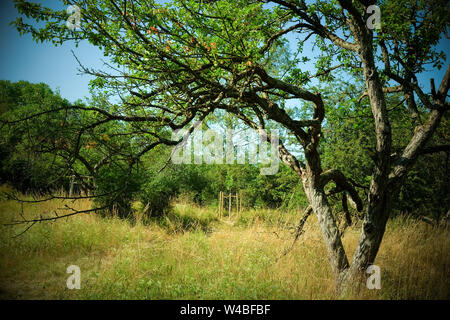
(175, 223)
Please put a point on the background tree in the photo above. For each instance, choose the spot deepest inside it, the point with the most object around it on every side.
(25, 158)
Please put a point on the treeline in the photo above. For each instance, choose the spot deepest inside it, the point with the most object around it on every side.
(36, 157)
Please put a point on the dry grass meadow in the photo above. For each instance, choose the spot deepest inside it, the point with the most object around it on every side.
(192, 255)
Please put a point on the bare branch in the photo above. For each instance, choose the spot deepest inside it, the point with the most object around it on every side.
(343, 183)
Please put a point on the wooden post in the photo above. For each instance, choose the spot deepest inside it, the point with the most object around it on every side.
(237, 205)
(89, 184)
(229, 205)
(220, 204)
(72, 181)
(240, 203)
(238, 198)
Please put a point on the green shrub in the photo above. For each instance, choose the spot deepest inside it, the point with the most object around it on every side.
(116, 189)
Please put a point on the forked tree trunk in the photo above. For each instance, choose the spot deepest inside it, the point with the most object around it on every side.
(317, 198)
(372, 232)
(380, 196)
(328, 227)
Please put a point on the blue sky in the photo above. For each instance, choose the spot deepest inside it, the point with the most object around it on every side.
(23, 59)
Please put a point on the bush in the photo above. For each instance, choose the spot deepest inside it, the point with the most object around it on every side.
(116, 189)
(157, 193)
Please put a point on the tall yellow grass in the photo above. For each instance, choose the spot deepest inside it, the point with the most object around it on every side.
(193, 255)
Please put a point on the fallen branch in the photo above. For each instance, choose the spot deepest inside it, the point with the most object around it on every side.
(299, 232)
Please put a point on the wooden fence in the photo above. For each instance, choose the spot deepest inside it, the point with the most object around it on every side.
(231, 211)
